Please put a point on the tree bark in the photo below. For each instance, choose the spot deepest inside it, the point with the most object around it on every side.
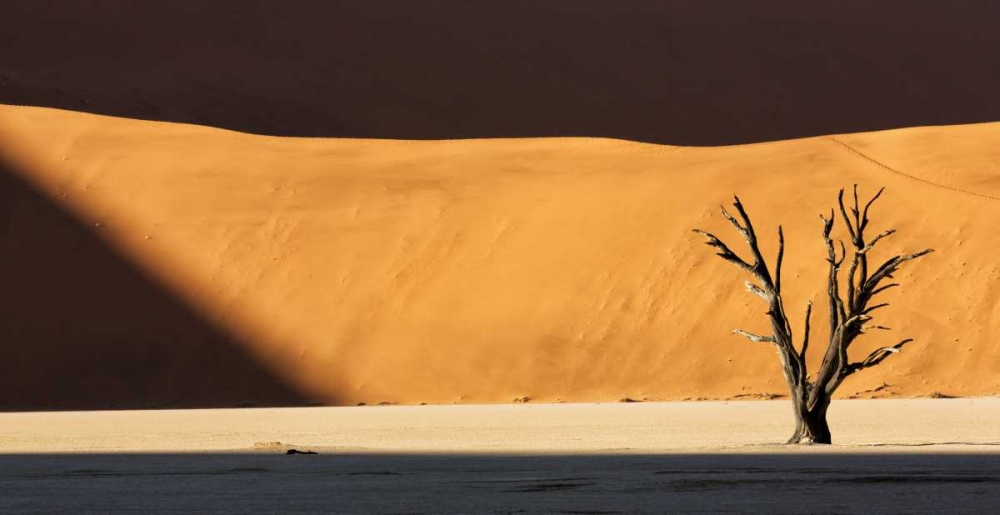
(810, 424)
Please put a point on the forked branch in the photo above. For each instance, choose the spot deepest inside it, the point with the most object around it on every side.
(724, 251)
(805, 336)
(765, 287)
(876, 357)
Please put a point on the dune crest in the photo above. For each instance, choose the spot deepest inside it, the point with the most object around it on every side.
(488, 270)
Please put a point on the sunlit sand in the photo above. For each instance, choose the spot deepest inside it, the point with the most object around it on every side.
(925, 425)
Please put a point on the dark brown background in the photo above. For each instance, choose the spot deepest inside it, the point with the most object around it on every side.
(701, 72)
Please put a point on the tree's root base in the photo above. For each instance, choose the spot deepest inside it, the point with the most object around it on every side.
(805, 441)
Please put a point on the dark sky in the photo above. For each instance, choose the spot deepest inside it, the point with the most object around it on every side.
(701, 72)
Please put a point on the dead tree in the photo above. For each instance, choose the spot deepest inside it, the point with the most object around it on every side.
(849, 318)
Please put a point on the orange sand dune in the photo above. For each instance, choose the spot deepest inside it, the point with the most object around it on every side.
(347, 271)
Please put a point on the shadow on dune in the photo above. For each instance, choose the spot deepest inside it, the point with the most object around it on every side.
(81, 328)
(698, 72)
(442, 483)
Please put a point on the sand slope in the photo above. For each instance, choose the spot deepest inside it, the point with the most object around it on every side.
(484, 270)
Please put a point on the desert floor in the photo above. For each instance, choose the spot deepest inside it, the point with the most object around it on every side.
(891, 455)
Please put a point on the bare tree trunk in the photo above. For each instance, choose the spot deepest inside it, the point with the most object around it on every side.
(810, 424)
(848, 320)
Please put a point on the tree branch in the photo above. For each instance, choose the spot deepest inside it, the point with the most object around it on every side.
(759, 264)
(857, 213)
(881, 289)
(781, 256)
(747, 224)
(851, 288)
(876, 239)
(754, 337)
(888, 268)
(864, 216)
(758, 291)
(873, 308)
(843, 212)
(833, 289)
(876, 357)
(805, 337)
(858, 274)
(735, 223)
(724, 251)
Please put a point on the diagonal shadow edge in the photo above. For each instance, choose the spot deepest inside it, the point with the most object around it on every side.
(81, 327)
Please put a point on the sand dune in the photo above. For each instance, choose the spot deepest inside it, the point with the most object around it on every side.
(704, 72)
(473, 270)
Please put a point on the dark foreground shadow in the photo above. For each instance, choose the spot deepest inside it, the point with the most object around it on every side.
(697, 72)
(376, 483)
(82, 328)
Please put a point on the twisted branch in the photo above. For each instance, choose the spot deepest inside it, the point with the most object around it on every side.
(876, 357)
